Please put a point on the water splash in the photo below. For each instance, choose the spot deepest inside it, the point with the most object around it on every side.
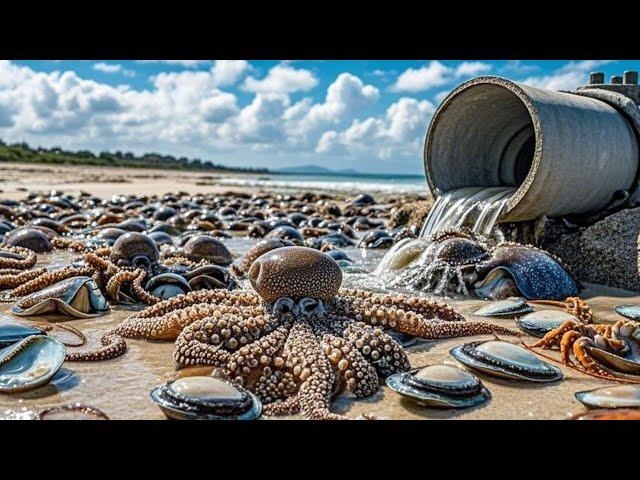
(477, 208)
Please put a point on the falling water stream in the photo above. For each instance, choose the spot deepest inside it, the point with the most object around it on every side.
(477, 208)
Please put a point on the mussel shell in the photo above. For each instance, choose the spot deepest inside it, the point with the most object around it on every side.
(615, 396)
(536, 273)
(30, 363)
(11, 332)
(192, 398)
(501, 308)
(440, 386)
(628, 364)
(505, 360)
(542, 322)
(78, 297)
(167, 285)
(628, 310)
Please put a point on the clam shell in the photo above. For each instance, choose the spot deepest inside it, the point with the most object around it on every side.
(11, 332)
(502, 308)
(629, 364)
(541, 322)
(628, 310)
(506, 360)
(440, 386)
(167, 285)
(30, 363)
(616, 396)
(77, 297)
(206, 398)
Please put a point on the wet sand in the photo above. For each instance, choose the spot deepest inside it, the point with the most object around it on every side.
(120, 387)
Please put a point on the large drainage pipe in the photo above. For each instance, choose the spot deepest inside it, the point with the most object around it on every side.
(565, 153)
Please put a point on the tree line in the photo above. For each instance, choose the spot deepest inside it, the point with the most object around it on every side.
(22, 152)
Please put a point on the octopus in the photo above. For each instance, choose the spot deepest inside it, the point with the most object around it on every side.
(601, 350)
(132, 259)
(299, 338)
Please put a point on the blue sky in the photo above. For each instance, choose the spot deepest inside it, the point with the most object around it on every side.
(370, 115)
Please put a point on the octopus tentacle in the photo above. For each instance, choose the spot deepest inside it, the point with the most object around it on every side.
(314, 369)
(288, 406)
(353, 369)
(112, 346)
(12, 278)
(381, 350)
(69, 244)
(28, 260)
(207, 340)
(424, 306)
(46, 280)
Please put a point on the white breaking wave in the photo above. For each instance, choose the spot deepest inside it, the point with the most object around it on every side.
(350, 184)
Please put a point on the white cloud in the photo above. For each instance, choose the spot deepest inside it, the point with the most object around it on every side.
(470, 69)
(400, 132)
(260, 122)
(282, 79)
(113, 68)
(424, 78)
(228, 72)
(181, 63)
(568, 77)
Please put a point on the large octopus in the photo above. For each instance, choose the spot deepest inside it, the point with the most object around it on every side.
(299, 339)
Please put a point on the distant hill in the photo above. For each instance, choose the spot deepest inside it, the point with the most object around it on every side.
(316, 170)
(22, 152)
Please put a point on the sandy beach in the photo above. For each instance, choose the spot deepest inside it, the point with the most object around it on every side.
(120, 387)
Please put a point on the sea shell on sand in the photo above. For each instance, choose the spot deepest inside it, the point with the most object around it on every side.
(30, 363)
(209, 398)
(613, 396)
(440, 386)
(506, 360)
(77, 297)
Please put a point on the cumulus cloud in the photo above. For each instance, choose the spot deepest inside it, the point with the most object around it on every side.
(282, 79)
(470, 69)
(400, 132)
(568, 77)
(420, 79)
(113, 68)
(228, 72)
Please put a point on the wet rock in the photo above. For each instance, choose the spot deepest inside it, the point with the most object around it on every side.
(410, 211)
(606, 252)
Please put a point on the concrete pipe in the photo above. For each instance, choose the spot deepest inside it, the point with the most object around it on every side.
(564, 153)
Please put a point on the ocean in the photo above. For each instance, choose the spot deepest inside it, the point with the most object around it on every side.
(398, 184)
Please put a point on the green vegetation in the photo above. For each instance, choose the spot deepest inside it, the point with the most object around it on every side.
(21, 152)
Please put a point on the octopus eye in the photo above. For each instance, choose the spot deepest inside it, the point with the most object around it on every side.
(284, 305)
(142, 262)
(311, 306)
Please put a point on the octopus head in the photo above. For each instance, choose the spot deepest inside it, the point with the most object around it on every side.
(135, 250)
(301, 274)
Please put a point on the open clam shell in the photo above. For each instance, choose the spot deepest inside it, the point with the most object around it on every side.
(628, 310)
(11, 332)
(505, 308)
(542, 322)
(440, 386)
(505, 360)
(615, 396)
(629, 363)
(77, 297)
(30, 363)
(206, 398)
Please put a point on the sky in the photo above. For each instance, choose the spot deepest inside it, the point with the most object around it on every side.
(368, 115)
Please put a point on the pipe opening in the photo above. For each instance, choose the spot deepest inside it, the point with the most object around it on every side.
(481, 137)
